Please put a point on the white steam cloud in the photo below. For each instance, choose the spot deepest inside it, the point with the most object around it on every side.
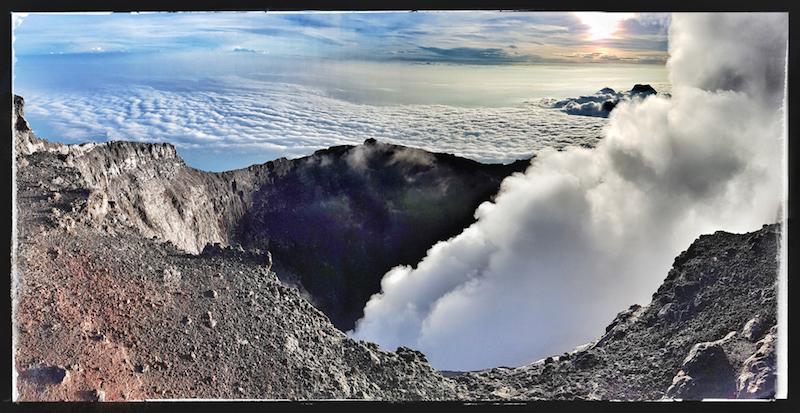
(586, 232)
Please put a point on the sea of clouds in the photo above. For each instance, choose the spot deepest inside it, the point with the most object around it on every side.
(248, 116)
(584, 233)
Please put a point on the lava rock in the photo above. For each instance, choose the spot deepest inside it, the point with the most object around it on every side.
(50, 375)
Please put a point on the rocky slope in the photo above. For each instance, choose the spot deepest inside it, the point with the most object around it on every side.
(151, 188)
(106, 314)
(709, 332)
(384, 205)
(109, 311)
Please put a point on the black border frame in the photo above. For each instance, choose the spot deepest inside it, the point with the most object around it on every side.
(385, 5)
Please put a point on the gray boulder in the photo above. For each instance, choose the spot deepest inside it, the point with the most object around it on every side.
(706, 373)
(754, 329)
(756, 379)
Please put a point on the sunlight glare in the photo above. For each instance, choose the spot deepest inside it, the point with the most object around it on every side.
(603, 25)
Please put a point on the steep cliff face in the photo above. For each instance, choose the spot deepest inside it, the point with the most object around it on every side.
(150, 188)
(160, 195)
(338, 220)
(25, 141)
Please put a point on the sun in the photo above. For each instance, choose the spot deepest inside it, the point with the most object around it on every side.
(603, 25)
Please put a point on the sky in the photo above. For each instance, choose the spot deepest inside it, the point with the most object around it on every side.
(233, 89)
(463, 37)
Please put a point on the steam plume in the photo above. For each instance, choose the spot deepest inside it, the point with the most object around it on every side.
(585, 233)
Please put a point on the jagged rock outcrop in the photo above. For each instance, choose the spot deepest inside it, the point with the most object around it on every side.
(25, 141)
(153, 190)
(148, 187)
(705, 373)
(757, 376)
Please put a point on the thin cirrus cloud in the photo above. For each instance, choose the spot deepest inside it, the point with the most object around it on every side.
(536, 37)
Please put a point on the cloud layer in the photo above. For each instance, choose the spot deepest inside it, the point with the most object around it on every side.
(585, 233)
(291, 120)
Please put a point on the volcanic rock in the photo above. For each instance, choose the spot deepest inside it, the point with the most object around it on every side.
(133, 286)
(706, 373)
(643, 90)
(757, 377)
